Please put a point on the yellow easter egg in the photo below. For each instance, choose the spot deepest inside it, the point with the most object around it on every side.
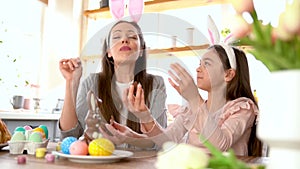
(38, 129)
(101, 147)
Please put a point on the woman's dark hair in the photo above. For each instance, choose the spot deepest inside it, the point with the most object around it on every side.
(112, 104)
(240, 86)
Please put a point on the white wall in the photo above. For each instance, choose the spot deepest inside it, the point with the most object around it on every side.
(158, 30)
(61, 39)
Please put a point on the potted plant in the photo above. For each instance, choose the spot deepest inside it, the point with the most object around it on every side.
(278, 47)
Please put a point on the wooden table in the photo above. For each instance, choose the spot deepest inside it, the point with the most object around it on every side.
(140, 160)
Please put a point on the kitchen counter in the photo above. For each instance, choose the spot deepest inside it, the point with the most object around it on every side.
(20, 117)
(28, 115)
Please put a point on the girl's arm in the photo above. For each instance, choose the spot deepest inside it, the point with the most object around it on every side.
(185, 86)
(175, 132)
(229, 126)
(157, 135)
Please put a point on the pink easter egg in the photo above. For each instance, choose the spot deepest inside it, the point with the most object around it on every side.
(79, 148)
(27, 127)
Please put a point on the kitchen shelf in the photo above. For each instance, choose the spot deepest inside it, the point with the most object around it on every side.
(186, 50)
(155, 6)
(178, 49)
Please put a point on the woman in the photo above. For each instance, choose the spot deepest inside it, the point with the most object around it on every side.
(227, 118)
(124, 62)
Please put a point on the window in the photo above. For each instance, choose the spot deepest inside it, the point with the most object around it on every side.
(20, 48)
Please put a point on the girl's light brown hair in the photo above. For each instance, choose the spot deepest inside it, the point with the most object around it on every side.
(240, 87)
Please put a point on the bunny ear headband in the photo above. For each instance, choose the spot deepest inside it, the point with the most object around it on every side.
(215, 40)
(135, 8)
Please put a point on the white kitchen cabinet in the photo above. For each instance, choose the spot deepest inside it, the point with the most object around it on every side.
(14, 119)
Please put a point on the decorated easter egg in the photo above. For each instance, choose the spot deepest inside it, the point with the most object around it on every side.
(18, 136)
(101, 147)
(45, 130)
(79, 148)
(20, 129)
(35, 137)
(27, 127)
(66, 143)
(38, 129)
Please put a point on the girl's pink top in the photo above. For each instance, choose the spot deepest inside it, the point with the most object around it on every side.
(229, 127)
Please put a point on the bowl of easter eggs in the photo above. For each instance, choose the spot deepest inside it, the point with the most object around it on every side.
(28, 138)
(99, 150)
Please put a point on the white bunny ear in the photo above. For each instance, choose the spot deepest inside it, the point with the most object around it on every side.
(215, 39)
(213, 31)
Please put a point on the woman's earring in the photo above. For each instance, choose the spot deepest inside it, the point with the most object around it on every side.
(141, 54)
(110, 59)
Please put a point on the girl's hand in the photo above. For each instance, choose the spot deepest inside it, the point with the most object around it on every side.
(135, 102)
(71, 69)
(186, 86)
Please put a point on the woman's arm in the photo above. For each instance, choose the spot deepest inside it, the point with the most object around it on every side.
(71, 70)
(68, 118)
(81, 106)
(158, 101)
(149, 124)
(120, 134)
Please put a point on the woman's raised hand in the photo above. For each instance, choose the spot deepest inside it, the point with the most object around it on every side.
(185, 86)
(134, 100)
(71, 69)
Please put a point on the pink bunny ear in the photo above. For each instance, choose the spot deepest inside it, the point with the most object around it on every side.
(117, 8)
(213, 31)
(229, 39)
(136, 8)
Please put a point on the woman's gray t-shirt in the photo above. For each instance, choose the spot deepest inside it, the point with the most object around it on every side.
(157, 101)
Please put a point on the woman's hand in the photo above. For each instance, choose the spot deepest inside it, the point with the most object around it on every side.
(120, 134)
(71, 69)
(186, 86)
(135, 102)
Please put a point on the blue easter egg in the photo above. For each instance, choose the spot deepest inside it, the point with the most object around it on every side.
(65, 144)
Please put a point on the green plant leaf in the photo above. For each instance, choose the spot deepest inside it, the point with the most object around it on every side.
(220, 160)
(276, 54)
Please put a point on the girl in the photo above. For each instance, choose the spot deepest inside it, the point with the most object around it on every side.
(227, 118)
